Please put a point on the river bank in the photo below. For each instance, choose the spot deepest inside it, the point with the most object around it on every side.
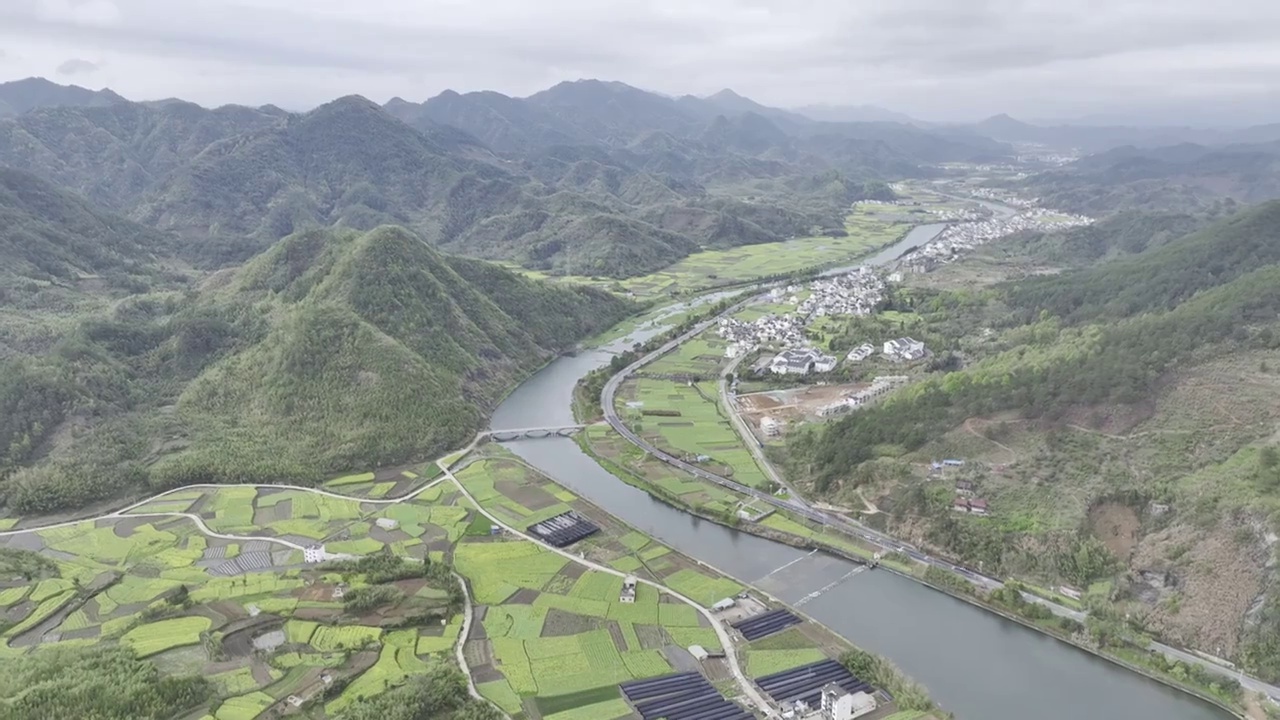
(907, 570)
(975, 662)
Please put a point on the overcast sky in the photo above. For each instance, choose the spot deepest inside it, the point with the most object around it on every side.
(1208, 60)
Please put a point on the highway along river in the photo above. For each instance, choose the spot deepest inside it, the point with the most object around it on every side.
(974, 663)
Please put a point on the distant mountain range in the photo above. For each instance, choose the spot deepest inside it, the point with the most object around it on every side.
(586, 177)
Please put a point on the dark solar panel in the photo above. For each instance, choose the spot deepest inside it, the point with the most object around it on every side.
(806, 682)
(754, 628)
(564, 529)
(682, 696)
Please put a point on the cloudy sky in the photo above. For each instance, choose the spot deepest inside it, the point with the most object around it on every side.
(1206, 60)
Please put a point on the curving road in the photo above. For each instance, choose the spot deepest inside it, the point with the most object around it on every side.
(799, 506)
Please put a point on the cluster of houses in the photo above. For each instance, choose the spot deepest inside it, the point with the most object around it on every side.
(958, 239)
(856, 293)
(878, 389)
(965, 500)
(742, 335)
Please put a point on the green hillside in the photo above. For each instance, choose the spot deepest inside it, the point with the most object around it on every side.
(333, 350)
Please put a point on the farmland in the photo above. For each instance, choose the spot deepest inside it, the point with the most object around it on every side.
(560, 638)
(687, 420)
(552, 638)
(714, 268)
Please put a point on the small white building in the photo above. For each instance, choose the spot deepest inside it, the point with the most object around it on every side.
(313, 554)
(387, 523)
(699, 653)
(628, 594)
(771, 427)
(724, 604)
(840, 705)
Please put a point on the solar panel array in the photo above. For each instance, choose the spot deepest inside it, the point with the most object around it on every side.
(564, 529)
(763, 625)
(806, 682)
(682, 696)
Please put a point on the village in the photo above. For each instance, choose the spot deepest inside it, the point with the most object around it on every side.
(960, 238)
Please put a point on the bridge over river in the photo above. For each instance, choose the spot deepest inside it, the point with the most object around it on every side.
(531, 433)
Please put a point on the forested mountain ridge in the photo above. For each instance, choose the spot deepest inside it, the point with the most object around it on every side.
(1178, 178)
(21, 96)
(292, 367)
(232, 180)
(50, 235)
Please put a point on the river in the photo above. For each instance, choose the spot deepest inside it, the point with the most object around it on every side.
(974, 663)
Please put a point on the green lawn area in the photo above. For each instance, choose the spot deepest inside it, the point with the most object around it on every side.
(699, 429)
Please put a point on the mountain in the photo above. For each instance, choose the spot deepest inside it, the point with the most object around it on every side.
(614, 112)
(289, 368)
(586, 177)
(115, 155)
(853, 113)
(505, 124)
(49, 235)
(1178, 178)
(1099, 138)
(22, 96)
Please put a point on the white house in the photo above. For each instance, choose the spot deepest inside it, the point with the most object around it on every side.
(387, 523)
(725, 604)
(801, 361)
(860, 353)
(313, 554)
(903, 349)
(628, 594)
(840, 705)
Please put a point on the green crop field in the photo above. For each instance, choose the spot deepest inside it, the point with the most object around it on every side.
(498, 569)
(244, 707)
(396, 661)
(344, 637)
(698, 429)
(702, 589)
(608, 710)
(159, 636)
(300, 631)
(501, 694)
(703, 356)
(765, 662)
(712, 268)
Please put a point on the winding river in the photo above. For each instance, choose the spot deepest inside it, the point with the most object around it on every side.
(974, 663)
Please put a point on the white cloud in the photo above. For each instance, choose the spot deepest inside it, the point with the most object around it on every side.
(940, 58)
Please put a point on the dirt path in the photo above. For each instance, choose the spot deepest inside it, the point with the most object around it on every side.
(968, 426)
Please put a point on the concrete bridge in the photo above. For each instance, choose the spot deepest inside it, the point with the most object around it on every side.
(533, 433)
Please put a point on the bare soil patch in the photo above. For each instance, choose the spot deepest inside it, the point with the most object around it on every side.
(651, 637)
(530, 497)
(524, 596)
(615, 632)
(560, 623)
(485, 673)
(1118, 527)
(1210, 580)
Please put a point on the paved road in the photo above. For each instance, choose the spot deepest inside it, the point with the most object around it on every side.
(799, 506)
(749, 438)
